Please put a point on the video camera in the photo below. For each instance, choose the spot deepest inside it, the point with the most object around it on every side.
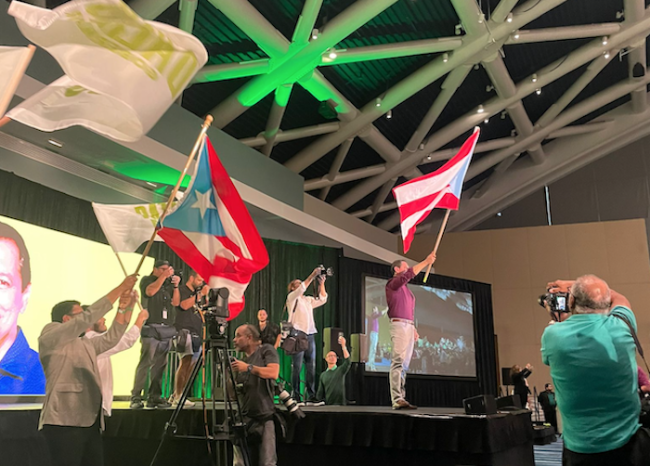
(557, 302)
(216, 312)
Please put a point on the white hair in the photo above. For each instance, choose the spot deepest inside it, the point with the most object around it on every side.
(589, 295)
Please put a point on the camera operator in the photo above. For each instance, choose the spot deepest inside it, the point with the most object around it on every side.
(256, 376)
(190, 332)
(592, 359)
(301, 315)
(159, 296)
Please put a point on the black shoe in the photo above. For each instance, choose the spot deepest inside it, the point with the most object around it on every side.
(159, 403)
(136, 403)
(313, 401)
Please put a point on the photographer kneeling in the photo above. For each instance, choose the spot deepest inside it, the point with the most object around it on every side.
(593, 366)
(256, 377)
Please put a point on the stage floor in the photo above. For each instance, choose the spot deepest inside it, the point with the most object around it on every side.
(360, 435)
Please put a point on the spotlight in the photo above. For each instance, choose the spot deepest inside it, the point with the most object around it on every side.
(332, 54)
(429, 157)
(458, 29)
(515, 36)
(606, 55)
(486, 121)
(498, 214)
(538, 92)
(314, 34)
(534, 78)
(55, 143)
(510, 17)
(481, 18)
(378, 102)
(605, 40)
(445, 57)
(480, 109)
(389, 114)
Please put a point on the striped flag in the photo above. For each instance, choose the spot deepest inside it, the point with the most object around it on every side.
(212, 231)
(442, 189)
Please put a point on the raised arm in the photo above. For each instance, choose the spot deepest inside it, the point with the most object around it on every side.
(430, 259)
(114, 335)
(55, 333)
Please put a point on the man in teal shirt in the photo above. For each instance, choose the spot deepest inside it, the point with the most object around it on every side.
(593, 366)
(331, 386)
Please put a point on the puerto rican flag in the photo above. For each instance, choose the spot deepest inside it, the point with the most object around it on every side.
(442, 189)
(212, 231)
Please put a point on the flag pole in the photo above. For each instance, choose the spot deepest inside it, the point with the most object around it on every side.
(126, 274)
(4, 120)
(438, 239)
(18, 74)
(204, 128)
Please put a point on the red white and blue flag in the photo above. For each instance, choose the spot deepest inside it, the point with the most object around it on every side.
(442, 189)
(212, 231)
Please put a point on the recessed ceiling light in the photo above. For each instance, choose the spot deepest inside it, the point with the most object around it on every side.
(55, 143)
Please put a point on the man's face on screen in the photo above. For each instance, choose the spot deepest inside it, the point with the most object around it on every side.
(13, 299)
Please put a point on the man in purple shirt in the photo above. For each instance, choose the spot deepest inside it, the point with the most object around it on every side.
(401, 310)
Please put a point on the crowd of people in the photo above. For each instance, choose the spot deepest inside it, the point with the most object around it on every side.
(590, 348)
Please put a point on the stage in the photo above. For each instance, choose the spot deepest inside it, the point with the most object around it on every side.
(360, 435)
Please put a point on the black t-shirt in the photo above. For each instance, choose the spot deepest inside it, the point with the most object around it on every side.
(270, 333)
(257, 398)
(159, 305)
(188, 318)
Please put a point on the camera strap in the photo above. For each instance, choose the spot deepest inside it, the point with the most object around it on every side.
(634, 336)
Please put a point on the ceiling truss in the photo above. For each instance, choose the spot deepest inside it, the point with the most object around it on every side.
(296, 62)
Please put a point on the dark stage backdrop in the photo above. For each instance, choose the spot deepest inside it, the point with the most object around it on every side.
(420, 390)
(36, 204)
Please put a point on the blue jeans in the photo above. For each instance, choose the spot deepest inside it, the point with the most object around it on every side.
(309, 357)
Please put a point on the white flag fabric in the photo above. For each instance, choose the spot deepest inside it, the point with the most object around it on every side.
(127, 226)
(11, 60)
(122, 72)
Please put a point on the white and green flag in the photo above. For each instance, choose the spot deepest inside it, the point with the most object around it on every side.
(121, 72)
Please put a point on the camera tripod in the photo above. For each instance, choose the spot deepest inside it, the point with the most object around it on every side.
(233, 427)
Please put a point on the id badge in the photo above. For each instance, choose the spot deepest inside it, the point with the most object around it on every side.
(164, 314)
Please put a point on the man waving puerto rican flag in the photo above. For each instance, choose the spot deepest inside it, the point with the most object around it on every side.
(441, 189)
(212, 231)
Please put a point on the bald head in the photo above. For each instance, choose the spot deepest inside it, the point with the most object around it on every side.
(591, 295)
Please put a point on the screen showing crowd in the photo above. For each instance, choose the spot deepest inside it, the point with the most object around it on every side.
(445, 324)
(39, 268)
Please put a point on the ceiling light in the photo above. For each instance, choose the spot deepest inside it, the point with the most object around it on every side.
(378, 102)
(486, 121)
(534, 79)
(480, 109)
(605, 40)
(332, 54)
(458, 29)
(389, 114)
(515, 36)
(429, 157)
(606, 55)
(151, 184)
(445, 57)
(314, 34)
(510, 17)
(55, 143)
(503, 115)
(481, 18)
(422, 146)
(498, 214)
(538, 92)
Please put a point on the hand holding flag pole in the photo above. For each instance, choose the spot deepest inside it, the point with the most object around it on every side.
(204, 128)
(442, 189)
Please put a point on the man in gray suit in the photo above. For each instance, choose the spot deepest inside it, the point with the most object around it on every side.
(72, 417)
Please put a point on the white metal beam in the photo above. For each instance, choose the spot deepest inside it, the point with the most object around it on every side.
(494, 106)
(278, 108)
(410, 86)
(336, 166)
(381, 197)
(587, 128)
(566, 155)
(293, 134)
(563, 33)
(634, 12)
(187, 12)
(349, 175)
(366, 212)
(503, 9)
